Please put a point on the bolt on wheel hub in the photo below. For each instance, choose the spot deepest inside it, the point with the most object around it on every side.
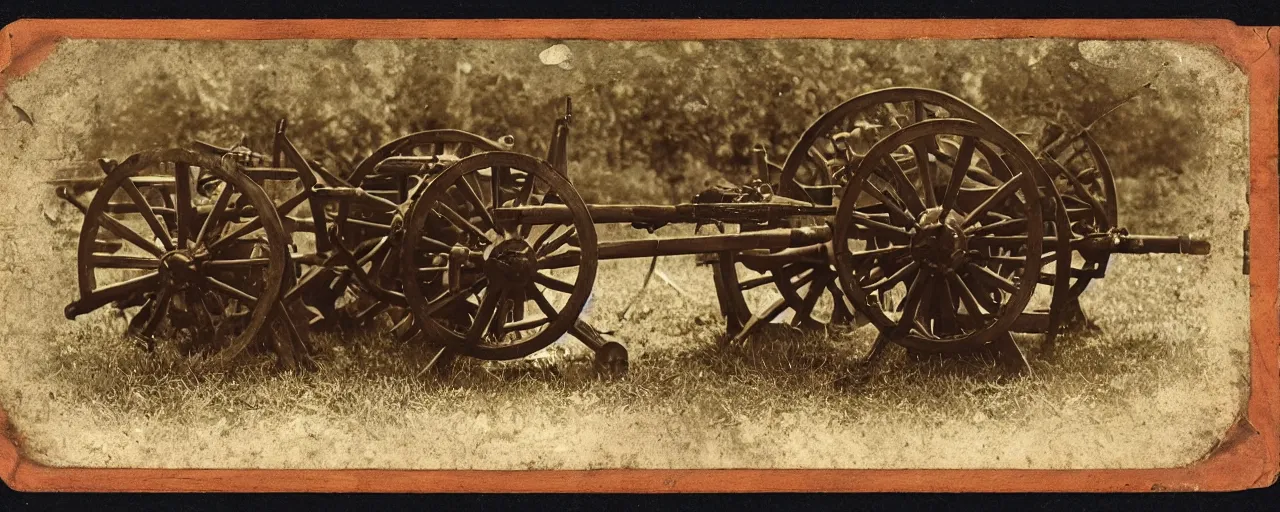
(180, 266)
(183, 265)
(510, 263)
(940, 243)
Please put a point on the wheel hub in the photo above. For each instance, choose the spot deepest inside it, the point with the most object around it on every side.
(940, 242)
(180, 266)
(510, 263)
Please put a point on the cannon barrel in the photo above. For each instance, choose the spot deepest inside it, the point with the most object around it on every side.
(1123, 243)
(1158, 244)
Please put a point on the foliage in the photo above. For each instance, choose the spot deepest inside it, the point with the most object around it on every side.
(653, 121)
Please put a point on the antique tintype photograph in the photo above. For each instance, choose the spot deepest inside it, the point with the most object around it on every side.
(525, 254)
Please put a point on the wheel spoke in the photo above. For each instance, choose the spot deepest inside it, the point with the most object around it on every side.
(861, 219)
(436, 244)
(916, 291)
(925, 167)
(802, 276)
(450, 296)
(545, 235)
(473, 181)
(541, 300)
(527, 323)
(497, 175)
(122, 231)
(1016, 260)
(526, 191)
(880, 251)
(497, 328)
(144, 209)
(553, 283)
(879, 195)
(908, 191)
(1001, 193)
(249, 262)
(917, 111)
(159, 306)
(996, 226)
(958, 171)
(240, 232)
(966, 296)
(256, 224)
(1009, 242)
(840, 303)
(1079, 187)
(454, 218)
(755, 282)
(182, 202)
(119, 261)
(475, 200)
(525, 199)
(812, 294)
(923, 317)
(518, 300)
(993, 278)
(204, 319)
(885, 283)
(555, 243)
(484, 315)
(219, 206)
(946, 307)
(119, 291)
(230, 290)
(988, 298)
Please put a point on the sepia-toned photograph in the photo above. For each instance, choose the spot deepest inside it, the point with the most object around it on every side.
(586, 254)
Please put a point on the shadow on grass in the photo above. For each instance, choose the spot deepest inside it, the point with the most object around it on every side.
(778, 369)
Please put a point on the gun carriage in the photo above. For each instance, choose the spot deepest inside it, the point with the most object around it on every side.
(905, 208)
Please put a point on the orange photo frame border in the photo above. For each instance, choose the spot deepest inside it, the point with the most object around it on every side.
(1247, 457)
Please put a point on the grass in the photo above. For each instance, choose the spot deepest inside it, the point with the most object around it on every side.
(686, 402)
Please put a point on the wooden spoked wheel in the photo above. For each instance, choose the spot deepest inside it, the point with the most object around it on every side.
(364, 228)
(446, 146)
(1057, 272)
(815, 169)
(1083, 178)
(1088, 186)
(948, 236)
(486, 287)
(763, 286)
(842, 136)
(203, 254)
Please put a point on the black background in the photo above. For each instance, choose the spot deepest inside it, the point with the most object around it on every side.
(1254, 12)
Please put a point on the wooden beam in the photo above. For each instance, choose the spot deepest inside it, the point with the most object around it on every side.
(668, 214)
(781, 238)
